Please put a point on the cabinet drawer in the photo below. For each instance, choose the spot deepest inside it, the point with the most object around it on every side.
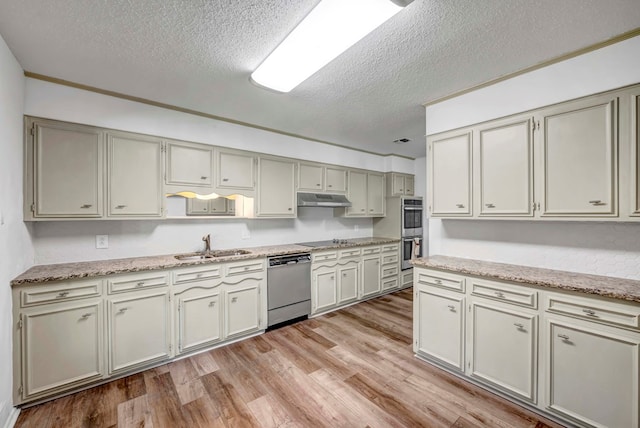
(389, 283)
(197, 274)
(245, 267)
(440, 279)
(388, 259)
(137, 282)
(352, 252)
(372, 250)
(60, 292)
(591, 309)
(505, 293)
(390, 248)
(321, 257)
(407, 277)
(389, 271)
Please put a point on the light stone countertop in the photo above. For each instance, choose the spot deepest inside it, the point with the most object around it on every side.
(42, 274)
(616, 288)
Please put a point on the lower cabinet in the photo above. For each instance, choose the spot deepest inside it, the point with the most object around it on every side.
(348, 283)
(370, 275)
(199, 317)
(325, 287)
(242, 308)
(139, 330)
(61, 346)
(592, 374)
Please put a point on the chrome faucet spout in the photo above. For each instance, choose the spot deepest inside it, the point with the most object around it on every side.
(207, 243)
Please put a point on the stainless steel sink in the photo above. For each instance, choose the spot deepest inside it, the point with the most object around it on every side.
(211, 255)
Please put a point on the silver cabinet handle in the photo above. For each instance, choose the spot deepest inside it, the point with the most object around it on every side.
(234, 299)
(119, 207)
(331, 277)
(225, 179)
(563, 337)
(123, 310)
(597, 202)
(86, 206)
(460, 205)
(317, 184)
(85, 316)
(329, 185)
(520, 326)
(489, 205)
(198, 275)
(289, 209)
(452, 308)
(344, 275)
(589, 312)
(212, 304)
(246, 268)
(361, 209)
(203, 177)
(438, 281)
(140, 284)
(500, 294)
(62, 294)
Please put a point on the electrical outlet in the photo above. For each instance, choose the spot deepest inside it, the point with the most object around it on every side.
(102, 241)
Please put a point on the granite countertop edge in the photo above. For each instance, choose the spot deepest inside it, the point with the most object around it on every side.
(606, 286)
(44, 274)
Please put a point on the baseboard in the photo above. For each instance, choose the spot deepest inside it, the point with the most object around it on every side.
(13, 417)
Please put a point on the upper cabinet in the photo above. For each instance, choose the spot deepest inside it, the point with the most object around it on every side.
(578, 160)
(506, 168)
(189, 164)
(450, 156)
(235, 170)
(134, 175)
(321, 178)
(366, 193)
(64, 170)
(375, 194)
(400, 184)
(579, 157)
(276, 188)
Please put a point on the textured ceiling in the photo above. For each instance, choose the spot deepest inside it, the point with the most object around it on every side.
(198, 54)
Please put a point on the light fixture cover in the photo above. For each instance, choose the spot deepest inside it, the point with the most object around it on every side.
(330, 28)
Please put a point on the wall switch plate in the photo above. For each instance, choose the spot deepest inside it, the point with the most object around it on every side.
(102, 241)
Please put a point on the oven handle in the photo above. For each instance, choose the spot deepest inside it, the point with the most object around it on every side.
(412, 208)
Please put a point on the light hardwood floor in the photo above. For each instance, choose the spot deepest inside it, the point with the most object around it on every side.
(350, 368)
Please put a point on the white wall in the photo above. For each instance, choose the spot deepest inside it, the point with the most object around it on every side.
(599, 248)
(57, 242)
(16, 252)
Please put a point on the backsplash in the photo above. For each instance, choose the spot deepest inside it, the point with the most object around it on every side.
(611, 249)
(69, 241)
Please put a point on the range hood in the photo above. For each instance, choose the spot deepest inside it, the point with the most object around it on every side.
(322, 200)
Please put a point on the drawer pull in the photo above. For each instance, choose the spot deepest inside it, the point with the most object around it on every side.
(123, 310)
(85, 316)
(590, 312)
(225, 179)
(564, 337)
(234, 299)
(86, 206)
(212, 304)
(460, 205)
(119, 207)
(489, 205)
(438, 281)
(199, 275)
(203, 177)
(597, 202)
(140, 284)
(520, 326)
(499, 294)
(452, 308)
(246, 268)
(329, 185)
(62, 294)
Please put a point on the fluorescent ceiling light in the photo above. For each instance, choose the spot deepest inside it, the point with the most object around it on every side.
(330, 28)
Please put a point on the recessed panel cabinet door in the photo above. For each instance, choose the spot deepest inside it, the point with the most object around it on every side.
(310, 177)
(61, 347)
(348, 278)
(580, 158)
(592, 376)
(357, 194)
(324, 286)
(242, 308)
(370, 276)
(335, 180)
(189, 164)
(135, 176)
(375, 194)
(276, 188)
(199, 320)
(235, 170)
(68, 170)
(506, 169)
(451, 175)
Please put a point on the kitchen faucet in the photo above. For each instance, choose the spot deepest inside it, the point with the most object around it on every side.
(207, 243)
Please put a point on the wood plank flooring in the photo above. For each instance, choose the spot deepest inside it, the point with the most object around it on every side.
(350, 368)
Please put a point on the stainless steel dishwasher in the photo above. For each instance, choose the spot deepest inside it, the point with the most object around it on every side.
(288, 287)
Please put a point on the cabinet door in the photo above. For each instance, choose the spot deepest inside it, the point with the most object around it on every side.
(335, 180)
(199, 321)
(580, 159)
(138, 330)
(506, 168)
(348, 280)
(635, 152)
(370, 276)
(409, 185)
(375, 194)
(451, 175)
(67, 170)
(324, 284)
(242, 308)
(439, 327)
(189, 164)
(357, 193)
(592, 376)
(235, 170)
(397, 185)
(197, 206)
(310, 177)
(218, 206)
(135, 171)
(276, 188)
(61, 347)
(503, 351)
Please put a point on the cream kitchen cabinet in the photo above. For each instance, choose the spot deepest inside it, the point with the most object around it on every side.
(400, 184)
(579, 155)
(348, 283)
(242, 308)
(235, 169)
(189, 165)
(366, 193)
(371, 273)
(218, 206)
(506, 167)
(375, 194)
(321, 178)
(134, 171)
(324, 284)
(635, 152)
(199, 321)
(335, 179)
(450, 164)
(276, 188)
(64, 170)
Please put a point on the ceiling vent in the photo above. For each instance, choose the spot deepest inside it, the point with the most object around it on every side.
(401, 141)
